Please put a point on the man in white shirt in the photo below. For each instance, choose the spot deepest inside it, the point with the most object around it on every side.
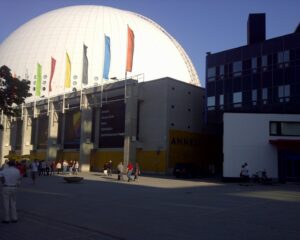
(10, 178)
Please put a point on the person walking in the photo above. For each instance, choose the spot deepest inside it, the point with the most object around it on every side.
(76, 166)
(65, 166)
(109, 168)
(34, 170)
(120, 168)
(137, 171)
(129, 171)
(58, 167)
(11, 178)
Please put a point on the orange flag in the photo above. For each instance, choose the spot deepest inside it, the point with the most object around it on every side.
(130, 49)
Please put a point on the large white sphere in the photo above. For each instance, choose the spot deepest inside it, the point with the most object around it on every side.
(156, 53)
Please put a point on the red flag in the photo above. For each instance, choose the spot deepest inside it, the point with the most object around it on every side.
(130, 49)
(53, 63)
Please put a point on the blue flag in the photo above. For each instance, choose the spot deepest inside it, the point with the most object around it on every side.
(106, 65)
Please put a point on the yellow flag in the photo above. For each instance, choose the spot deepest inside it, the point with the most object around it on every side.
(68, 72)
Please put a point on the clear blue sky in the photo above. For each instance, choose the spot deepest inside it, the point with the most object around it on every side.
(200, 26)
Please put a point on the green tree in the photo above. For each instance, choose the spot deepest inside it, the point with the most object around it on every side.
(12, 92)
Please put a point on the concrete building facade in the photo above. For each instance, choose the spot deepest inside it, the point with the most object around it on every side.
(122, 121)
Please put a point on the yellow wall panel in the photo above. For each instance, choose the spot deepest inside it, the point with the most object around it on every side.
(152, 161)
(99, 158)
(38, 155)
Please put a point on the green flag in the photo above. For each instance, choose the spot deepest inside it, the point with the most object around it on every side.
(38, 80)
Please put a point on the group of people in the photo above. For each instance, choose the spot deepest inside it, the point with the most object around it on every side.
(11, 173)
(132, 172)
(64, 167)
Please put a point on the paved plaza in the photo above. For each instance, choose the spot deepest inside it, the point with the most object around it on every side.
(153, 208)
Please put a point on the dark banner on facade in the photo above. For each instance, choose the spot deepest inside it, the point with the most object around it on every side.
(72, 129)
(112, 125)
(42, 136)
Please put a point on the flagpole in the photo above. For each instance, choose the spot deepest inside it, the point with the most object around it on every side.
(125, 89)
(48, 107)
(1, 118)
(80, 102)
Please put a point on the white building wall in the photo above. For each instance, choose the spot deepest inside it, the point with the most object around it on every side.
(152, 115)
(185, 106)
(246, 139)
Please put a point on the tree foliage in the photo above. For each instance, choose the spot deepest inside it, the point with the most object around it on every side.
(12, 92)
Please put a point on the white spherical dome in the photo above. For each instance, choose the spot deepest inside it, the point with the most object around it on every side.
(156, 53)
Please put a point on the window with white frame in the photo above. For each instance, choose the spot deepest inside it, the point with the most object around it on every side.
(264, 95)
(237, 68)
(254, 96)
(211, 74)
(222, 70)
(284, 93)
(221, 101)
(237, 99)
(211, 102)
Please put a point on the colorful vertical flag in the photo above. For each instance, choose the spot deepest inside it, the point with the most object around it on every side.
(68, 72)
(38, 80)
(85, 66)
(53, 63)
(130, 49)
(107, 57)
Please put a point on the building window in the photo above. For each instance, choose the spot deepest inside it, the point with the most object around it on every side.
(264, 95)
(264, 62)
(283, 56)
(237, 99)
(285, 129)
(237, 68)
(286, 57)
(221, 101)
(284, 93)
(280, 57)
(254, 96)
(211, 74)
(254, 64)
(222, 71)
(211, 103)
